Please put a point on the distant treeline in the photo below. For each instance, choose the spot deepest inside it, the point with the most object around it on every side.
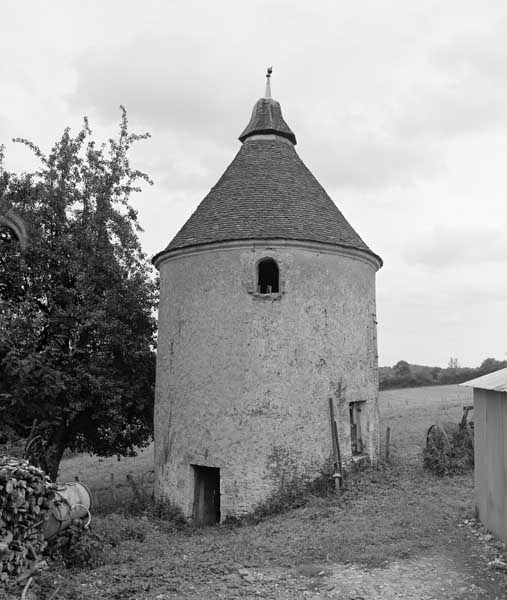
(403, 374)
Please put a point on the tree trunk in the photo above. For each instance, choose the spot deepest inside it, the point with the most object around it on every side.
(54, 452)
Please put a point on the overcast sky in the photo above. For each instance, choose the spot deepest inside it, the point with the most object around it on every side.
(400, 110)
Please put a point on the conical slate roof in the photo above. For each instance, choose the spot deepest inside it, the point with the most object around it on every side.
(267, 192)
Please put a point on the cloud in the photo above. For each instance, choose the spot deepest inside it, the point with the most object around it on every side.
(481, 55)
(180, 164)
(370, 160)
(467, 91)
(453, 109)
(426, 316)
(452, 245)
(147, 75)
(201, 85)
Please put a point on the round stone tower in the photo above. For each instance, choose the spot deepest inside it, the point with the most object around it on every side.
(267, 310)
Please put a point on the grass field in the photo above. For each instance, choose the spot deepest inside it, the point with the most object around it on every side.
(408, 413)
(395, 532)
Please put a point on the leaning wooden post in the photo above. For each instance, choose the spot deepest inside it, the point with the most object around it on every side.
(338, 475)
(340, 466)
(388, 439)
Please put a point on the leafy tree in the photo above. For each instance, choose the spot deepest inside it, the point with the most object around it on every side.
(489, 365)
(8, 218)
(435, 373)
(453, 363)
(402, 368)
(77, 326)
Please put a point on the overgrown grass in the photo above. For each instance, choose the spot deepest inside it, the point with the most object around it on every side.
(450, 450)
(293, 494)
(390, 512)
(410, 412)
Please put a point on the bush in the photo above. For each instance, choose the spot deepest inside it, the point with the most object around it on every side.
(116, 528)
(77, 546)
(293, 494)
(10, 442)
(449, 449)
(168, 516)
(139, 521)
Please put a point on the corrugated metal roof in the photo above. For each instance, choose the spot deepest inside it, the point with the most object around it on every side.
(496, 381)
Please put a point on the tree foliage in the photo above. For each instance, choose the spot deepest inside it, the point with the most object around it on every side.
(77, 326)
(404, 375)
(489, 365)
(402, 368)
(453, 363)
(8, 218)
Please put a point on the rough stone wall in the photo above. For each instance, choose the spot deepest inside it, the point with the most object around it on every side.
(243, 380)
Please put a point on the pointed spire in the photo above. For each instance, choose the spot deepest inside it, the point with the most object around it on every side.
(267, 117)
(268, 83)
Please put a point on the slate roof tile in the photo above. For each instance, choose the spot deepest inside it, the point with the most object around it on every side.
(267, 192)
(267, 118)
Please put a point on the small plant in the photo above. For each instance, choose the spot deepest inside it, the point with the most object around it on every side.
(449, 450)
(140, 522)
(295, 493)
(77, 546)
(117, 528)
(10, 442)
(167, 514)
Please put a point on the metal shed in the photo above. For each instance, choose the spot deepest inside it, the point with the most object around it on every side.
(490, 426)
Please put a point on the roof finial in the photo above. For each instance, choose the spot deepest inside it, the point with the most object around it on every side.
(268, 84)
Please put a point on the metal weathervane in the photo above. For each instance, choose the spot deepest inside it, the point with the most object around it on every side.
(268, 83)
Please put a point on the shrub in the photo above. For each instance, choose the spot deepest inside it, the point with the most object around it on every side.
(449, 449)
(77, 546)
(10, 442)
(167, 515)
(116, 528)
(295, 493)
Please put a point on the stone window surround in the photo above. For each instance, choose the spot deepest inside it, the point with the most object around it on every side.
(252, 287)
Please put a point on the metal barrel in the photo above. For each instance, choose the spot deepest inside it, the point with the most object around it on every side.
(73, 500)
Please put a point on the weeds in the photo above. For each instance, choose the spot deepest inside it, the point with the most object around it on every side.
(77, 546)
(449, 451)
(116, 528)
(294, 494)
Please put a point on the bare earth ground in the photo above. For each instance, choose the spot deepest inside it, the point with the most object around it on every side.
(397, 532)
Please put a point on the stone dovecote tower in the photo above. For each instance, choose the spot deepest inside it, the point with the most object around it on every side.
(267, 310)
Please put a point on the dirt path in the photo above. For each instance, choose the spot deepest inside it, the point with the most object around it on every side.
(253, 562)
(397, 532)
(426, 578)
(431, 577)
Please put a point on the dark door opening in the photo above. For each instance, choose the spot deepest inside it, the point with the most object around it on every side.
(356, 438)
(206, 495)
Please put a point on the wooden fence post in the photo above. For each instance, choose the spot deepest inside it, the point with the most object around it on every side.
(388, 440)
(338, 474)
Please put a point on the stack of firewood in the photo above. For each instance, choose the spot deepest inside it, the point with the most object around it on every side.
(26, 496)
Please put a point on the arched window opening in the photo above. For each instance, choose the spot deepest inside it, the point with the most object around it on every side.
(269, 275)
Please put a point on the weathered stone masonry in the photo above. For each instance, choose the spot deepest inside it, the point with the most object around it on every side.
(243, 378)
